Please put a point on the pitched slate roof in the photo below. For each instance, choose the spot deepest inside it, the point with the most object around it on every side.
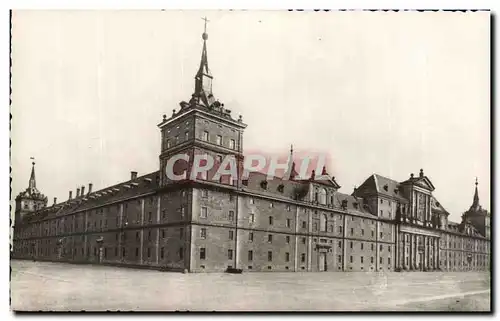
(381, 185)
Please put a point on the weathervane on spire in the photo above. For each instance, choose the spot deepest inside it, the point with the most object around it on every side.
(205, 35)
(32, 158)
(476, 181)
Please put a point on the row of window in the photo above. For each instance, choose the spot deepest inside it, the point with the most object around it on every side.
(46, 251)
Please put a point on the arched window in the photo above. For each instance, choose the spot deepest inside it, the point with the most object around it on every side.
(322, 223)
(322, 196)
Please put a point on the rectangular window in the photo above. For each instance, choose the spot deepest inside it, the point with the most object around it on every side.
(288, 239)
(350, 244)
(303, 257)
(271, 221)
(205, 136)
(340, 229)
(203, 212)
(270, 238)
(372, 247)
(304, 225)
(269, 256)
(352, 231)
(381, 213)
(252, 201)
(340, 244)
(231, 144)
(162, 253)
(250, 255)
(181, 253)
(361, 259)
(303, 240)
(169, 143)
(149, 252)
(250, 236)
(288, 222)
(389, 260)
(181, 233)
(204, 193)
(231, 216)
(219, 140)
(231, 235)
(288, 208)
(351, 258)
(229, 254)
(203, 233)
(177, 139)
(371, 260)
(203, 253)
(362, 232)
(380, 260)
(361, 245)
(381, 247)
(287, 257)
(339, 258)
(381, 234)
(252, 218)
(186, 135)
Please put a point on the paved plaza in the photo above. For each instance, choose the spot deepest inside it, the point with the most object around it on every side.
(62, 287)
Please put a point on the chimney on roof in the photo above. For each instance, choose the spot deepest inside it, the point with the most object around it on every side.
(313, 174)
(70, 194)
(133, 175)
(82, 191)
(55, 200)
(90, 188)
(77, 192)
(421, 173)
(411, 175)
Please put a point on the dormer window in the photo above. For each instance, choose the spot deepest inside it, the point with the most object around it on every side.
(344, 204)
(386, 187)
(396, 191)
(263, 184)
(281, 188)
(355, 204)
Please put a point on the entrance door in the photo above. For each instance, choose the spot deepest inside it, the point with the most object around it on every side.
(100, 255)
(322, 261)
(421, 262)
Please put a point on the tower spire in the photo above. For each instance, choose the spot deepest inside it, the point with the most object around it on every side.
(32, 183)
(475, 203)
(203, 79)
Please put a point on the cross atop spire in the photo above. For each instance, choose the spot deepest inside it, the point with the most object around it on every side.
(206, 20)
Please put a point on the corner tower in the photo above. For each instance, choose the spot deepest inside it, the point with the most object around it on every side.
(30, 200)
(478, 216)
(202, 126)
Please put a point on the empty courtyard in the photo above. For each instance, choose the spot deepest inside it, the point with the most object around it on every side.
(67, 287)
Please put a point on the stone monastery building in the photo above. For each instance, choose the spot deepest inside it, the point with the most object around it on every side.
(253, 224)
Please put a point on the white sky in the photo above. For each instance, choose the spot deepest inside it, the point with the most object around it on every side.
(385, 93)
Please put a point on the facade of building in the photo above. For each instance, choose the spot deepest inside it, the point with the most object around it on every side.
(254, 224)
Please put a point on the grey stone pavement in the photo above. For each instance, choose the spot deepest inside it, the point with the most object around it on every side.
(66, 287)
